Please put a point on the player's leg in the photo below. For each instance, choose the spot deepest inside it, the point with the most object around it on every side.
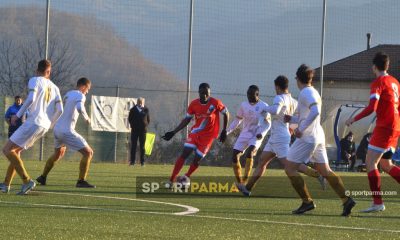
(203, 145)
(265, 159)
(134, 140)
(87, 155)
(251, 152)
(10, 174)
(388, 166)
(11, 151)
(299, 152)
(142, 141)
(237, 167)
(187, 150)
(51, 161)
(320, 159)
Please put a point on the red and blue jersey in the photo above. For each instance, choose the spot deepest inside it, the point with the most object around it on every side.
(206, 116)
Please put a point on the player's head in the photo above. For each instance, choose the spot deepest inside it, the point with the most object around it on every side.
(304, 75)
(18, 100)
(253, 93)
(204, 91)
(83, 85)
(381, 62)
(281, 84)
(350, 136)
(44, 68)
(140, 101)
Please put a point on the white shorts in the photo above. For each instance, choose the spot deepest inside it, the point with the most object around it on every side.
(243, 142)
(280, 149)
(27, 134)
(71, 139)
(302, 152)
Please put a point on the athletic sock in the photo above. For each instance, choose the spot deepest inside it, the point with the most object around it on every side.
(10, 174)
(300, 186)
(311, 172)
(177, 168)
(374, 179)
(84, 166)
(191, 170)
(395, 173)
(49, 165)
(247, 169)
(19, 166)
(337, 184)
(237, 170)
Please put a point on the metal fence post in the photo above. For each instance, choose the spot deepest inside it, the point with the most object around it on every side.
(116, 132)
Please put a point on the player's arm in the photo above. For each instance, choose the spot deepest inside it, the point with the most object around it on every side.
(236, 122)
(80, 107)
(8, 116)
(222, 136)
(168, 135)
(59, 109)
(264, 126)
(372, 105)
(28, 102)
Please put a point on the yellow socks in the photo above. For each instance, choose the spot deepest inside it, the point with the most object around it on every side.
(247, 169)
(300, 186)
(336, 183)
(237, 170)
(311, 172)
(10, 174)
(84, 167)
(18, 165)
(49, 165)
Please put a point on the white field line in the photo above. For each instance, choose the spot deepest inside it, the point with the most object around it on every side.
(191, 215)
(189, 209)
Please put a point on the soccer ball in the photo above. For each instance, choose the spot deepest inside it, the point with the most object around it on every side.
(184, 181)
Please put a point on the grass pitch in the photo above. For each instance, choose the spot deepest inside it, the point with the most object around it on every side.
(111, 211)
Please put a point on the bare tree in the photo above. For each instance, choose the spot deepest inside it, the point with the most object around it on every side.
(18, 62)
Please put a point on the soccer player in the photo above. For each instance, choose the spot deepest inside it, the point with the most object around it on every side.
(310, 144)
(279, 141)
(43, 97)
(384, 100)
(66, 136)
(205, 110)
(256, 123)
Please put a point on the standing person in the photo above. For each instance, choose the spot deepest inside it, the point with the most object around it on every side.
(280, 139)
(348, 150)
(384, 100)
(43, 96)
(256, 123)
(11, 111)
(66, 136)
(205, 110)
(139, 119)
(310, 145)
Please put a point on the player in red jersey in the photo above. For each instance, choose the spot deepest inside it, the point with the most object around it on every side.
(384, 100)
(205, 111)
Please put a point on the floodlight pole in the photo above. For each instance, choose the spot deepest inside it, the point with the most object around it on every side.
(189, 72)
(323, 48)
(116, 130)
(46, 54)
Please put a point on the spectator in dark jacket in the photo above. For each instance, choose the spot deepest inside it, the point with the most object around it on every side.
(348, 149)
(11, 111)
(139, 119)
(363, 147)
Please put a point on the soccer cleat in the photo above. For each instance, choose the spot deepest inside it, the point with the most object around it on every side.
(27, 187)
(184, 181)
(84, 184)
(305, 207)
(374, 208)
(347, 206)
(4, 188)
(242, 188)
(41, 179)
(322, 181)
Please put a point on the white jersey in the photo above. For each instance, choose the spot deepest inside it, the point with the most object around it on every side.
(314, 133)
(253, 118)
(46, 95)
(68, 119)
(279, 129)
